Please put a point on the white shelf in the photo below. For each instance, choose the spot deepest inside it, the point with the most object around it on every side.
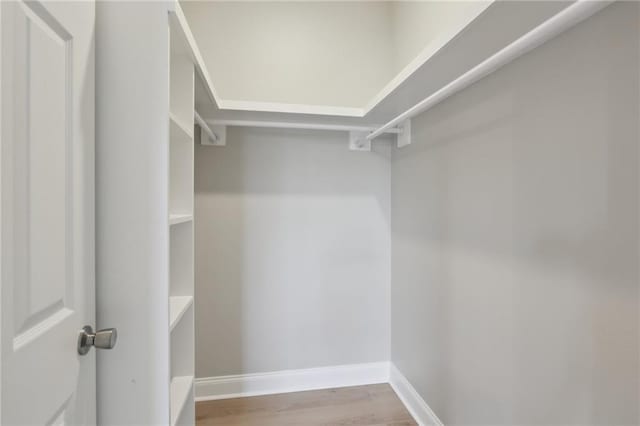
(175, 219)
(181, 390)
(178, 305)
(480, 36)
(189, 45)
(176, 124)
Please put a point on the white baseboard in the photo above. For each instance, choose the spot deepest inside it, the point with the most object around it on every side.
(225, 387)
(421, 412)
(243, 385)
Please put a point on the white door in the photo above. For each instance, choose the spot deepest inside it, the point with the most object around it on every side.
(47, 212)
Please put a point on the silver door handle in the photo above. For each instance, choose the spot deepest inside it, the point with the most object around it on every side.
(101, 339)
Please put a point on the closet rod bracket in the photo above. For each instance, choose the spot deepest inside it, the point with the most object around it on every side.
(358, 141)
(220, 133)
(404, 137)
(210, 135)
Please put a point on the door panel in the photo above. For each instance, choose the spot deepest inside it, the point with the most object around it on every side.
(41, 176)
(47, 212)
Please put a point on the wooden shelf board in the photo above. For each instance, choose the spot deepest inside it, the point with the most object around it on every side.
(181, 389)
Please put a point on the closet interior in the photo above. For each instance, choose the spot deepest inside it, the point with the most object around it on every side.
(311, 228)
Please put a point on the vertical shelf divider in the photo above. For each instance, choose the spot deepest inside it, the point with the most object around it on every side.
(181, 226)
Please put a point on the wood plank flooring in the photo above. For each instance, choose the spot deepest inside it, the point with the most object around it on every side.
(372, 405)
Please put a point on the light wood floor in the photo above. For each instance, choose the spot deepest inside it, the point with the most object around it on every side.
(373, 405)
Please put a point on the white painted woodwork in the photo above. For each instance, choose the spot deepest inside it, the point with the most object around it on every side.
(183, 32)
(182, 124)
(181, 389)
(176, 219)
(145, 163)
(181, 242)
(182, 353)
(178, 305)
(132, 100)
(411, 399)
(181, 265)
(181, 160)
(496, 27)
(564, 20)
(317, 56)
(182, 366)
(358, 136)
(47, 227)
(477, 34)
(299, 380)
(206, 133)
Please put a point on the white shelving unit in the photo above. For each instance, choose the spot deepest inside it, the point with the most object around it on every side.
(175, 219)
(181, 394)
(145, 159)
(180, 222)
(178, 305)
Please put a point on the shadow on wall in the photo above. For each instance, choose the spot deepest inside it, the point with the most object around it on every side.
(292, 252)
(516, 239)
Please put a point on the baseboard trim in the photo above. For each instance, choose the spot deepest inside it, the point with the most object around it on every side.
(244, 385)
(224, 387)
(418, 408)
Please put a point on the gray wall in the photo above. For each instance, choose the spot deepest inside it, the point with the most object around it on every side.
(515, 238)
(292, 252)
